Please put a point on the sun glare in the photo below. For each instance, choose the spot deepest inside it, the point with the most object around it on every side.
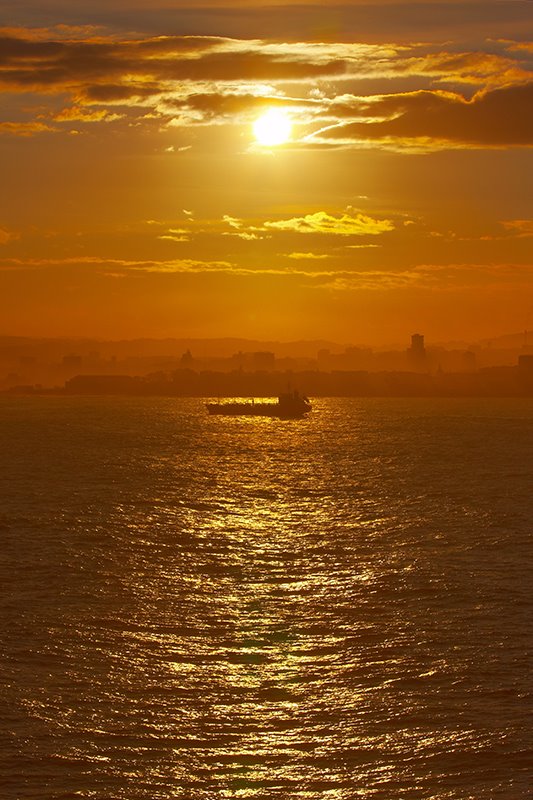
(272, 128)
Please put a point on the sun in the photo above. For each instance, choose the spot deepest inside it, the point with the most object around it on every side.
(272, 128)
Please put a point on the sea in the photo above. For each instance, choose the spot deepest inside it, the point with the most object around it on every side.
(220, 607)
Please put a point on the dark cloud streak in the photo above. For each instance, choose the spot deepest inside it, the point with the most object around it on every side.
(503, 117)
(33, 63)
(345, 21)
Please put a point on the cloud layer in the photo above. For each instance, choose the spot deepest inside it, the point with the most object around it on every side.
(480, 98)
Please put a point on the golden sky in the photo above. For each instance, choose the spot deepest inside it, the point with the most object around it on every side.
(137, 200)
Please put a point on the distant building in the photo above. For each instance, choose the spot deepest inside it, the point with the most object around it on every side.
(525, 372)
(263, 360)
(353, 358)
(525, 363)
(527, 347)
(72, 361)
(417, 344)
(186, 361)
(104, 384)
(416, 354)
(441, 360)
(260, 361)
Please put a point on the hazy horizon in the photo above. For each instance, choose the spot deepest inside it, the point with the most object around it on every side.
(511, 340)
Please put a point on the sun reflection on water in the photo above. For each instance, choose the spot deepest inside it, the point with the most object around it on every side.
(265, 608)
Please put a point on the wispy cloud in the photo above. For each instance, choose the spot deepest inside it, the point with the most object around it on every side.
(125, 265)
(7, 236)
(441, 278)
(25, 128)
(77, 114)
(308, 256)
(324, 223)
(522, 228)
(176, 235)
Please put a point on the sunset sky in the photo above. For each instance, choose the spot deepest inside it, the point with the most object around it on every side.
(137, 200)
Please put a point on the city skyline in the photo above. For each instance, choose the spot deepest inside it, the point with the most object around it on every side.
(351, 173)
(35, 365)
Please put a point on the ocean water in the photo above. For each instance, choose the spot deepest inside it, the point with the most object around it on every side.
(199, 607)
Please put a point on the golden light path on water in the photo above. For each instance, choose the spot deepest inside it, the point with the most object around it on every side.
(254, 608)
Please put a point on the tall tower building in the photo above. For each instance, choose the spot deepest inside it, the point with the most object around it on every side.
(417, 344)
(417, 352)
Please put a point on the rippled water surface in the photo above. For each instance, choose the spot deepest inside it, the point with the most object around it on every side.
(201, 607)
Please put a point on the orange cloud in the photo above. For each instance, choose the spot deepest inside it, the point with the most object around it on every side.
(308, 256)
(503, 117)
(477, 68)
(25, 128)
(522, 228)
(323, 223)
(80, 115)
(6, 236)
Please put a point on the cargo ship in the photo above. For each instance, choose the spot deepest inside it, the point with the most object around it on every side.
(291, 405)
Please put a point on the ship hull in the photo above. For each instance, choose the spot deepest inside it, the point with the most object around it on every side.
(289, 406)
(254, 410)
